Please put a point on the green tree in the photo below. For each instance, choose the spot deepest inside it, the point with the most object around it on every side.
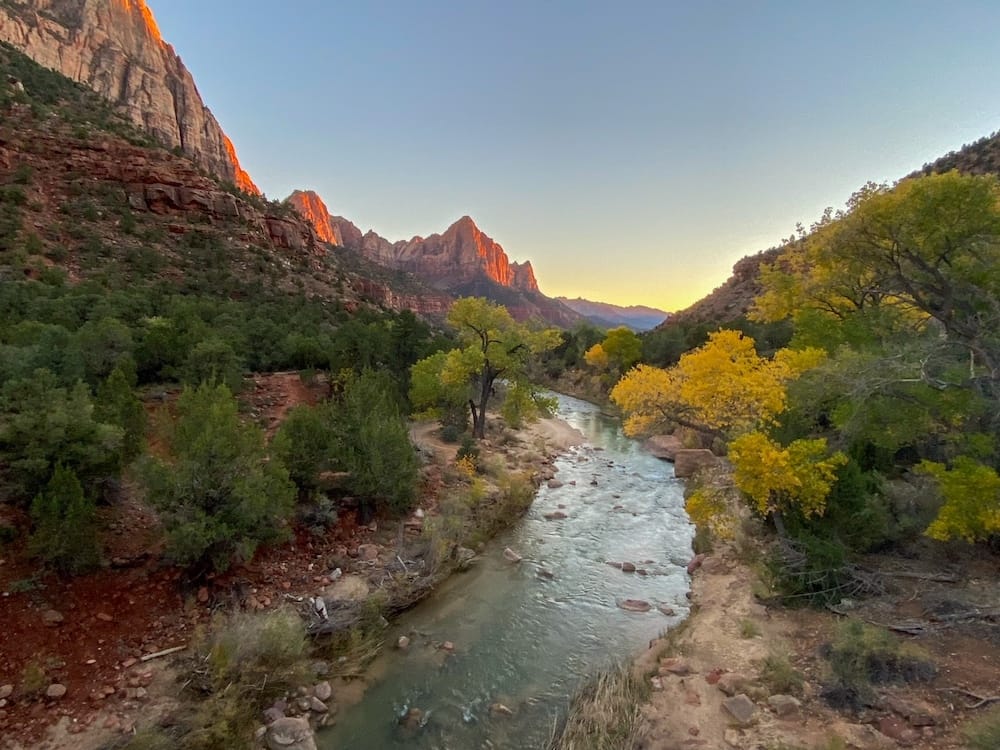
(214, 361)
(623, 347)
(373, 443)
(42, 424)
(219, 496)
(492, 345)
(306, 443)
(118, 405)
(65, 526)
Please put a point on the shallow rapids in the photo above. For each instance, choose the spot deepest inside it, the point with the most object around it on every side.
(528, 635)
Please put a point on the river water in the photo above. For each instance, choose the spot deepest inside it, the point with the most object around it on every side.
(526, 640)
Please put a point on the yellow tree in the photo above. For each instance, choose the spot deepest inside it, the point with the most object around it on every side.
(776, 478)
(723, 388)
(492, 346)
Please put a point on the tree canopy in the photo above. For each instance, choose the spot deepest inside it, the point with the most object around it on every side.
(492, 346)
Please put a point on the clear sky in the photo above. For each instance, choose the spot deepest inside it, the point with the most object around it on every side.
(633, 151)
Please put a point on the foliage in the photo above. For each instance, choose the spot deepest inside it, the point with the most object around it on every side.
(778, 674)
(65, 533)
(861, 655)
(491, 345)
(43, 423)
(605, 713)
(373, 442)
(971, 509)
(306, 444)
(723, 387)
(776, 478)
(118, 405)
(219, 496)
(522, 402)
(983, 733)
(214, 361)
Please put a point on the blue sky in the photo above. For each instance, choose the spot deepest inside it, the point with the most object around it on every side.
(632, 151)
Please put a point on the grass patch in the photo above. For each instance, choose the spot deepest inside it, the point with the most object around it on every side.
(749, 628)
(779, 676)
(604, 715)
(983, 733)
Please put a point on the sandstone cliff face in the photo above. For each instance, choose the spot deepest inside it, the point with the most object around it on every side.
(462, 254)
(312, 208)
(115, 48)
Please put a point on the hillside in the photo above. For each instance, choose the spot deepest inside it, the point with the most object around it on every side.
(88, 192)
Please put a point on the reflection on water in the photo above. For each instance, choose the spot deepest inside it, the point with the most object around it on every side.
(525, 640)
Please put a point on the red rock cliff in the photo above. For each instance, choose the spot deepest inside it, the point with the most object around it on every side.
(115, 48)
(312, 208)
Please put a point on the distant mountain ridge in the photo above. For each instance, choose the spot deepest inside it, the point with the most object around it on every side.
(463, 260)
(114, 47)
(636, 317)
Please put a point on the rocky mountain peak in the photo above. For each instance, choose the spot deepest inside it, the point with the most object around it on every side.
(312, 208)
(115, 48)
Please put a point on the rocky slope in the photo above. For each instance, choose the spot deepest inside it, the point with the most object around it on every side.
(636, 317)
(90, 194)
(115, 48)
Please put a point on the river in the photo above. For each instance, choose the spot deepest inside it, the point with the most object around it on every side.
(523, 639)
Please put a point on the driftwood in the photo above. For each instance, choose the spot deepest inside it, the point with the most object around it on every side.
(909, 627)
(981, 700)
(932, 577)
(164, 652)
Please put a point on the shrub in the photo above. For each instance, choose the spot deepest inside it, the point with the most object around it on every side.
(374, 443)
(65, 533)
(214, 361)
(305, 444)
(778, 674)
(861, 655)
(219, 497)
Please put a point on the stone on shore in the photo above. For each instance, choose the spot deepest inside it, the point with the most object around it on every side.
(511, 556)
(290, 733)
(689, 461)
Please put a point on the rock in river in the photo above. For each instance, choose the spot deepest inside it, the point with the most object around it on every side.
(635, 605)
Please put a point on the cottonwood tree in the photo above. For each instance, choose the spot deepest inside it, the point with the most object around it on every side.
(493, 346)
(721, 389)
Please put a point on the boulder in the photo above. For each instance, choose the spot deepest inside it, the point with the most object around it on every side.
(689, 461)
(628, 567)
(403, 643)
(732, 683)
(323, 690)
(55, 690)
(897, 729)
(634, 605)
(664, 446)
(784, 705)
(290, 733)
(557, 515)
(740, 709)
(511, 556)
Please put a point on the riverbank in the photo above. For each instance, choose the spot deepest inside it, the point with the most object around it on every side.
(741, 673)
(95, 639)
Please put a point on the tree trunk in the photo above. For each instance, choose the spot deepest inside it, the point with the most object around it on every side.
(479, 415)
